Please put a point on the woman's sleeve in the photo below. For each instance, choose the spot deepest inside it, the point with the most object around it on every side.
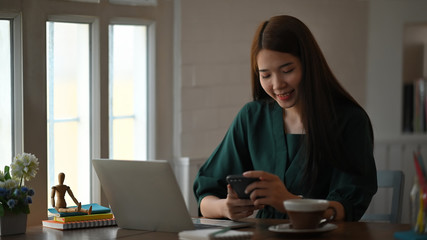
(230, 157)
(355, 189)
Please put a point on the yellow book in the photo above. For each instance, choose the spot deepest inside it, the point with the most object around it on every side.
(83, 217)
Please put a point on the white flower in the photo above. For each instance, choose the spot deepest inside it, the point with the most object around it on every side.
(9, 184)
(24, 166)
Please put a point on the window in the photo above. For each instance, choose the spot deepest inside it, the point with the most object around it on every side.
(68, 106)
(128, 91)
(6, 90)
(65, 79)
(10, 88)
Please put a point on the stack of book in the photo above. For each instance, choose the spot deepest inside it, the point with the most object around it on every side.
(100, 217)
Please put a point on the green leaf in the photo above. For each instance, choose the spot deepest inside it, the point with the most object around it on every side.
(6, 173)
(1, 210)
(26, 209)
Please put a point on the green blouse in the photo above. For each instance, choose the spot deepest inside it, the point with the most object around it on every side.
(256, 140)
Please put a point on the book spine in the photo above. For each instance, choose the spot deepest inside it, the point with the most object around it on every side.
(96, 209)
(83, 217)
(80, 224)
(420, 94)
(408, 108)
(423, 106)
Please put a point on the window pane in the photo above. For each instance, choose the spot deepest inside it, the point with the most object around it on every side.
(128, 92)
(68, 83)
(123, 128)
(5, 94)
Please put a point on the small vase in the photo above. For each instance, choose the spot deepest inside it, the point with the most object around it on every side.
(11, 224)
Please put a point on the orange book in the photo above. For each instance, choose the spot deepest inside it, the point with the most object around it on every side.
(83, 217)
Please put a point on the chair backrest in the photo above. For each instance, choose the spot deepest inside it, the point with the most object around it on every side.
(393, 179)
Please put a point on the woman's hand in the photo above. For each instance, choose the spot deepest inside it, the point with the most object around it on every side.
(236, 208)
(231, 207)
(270, 190)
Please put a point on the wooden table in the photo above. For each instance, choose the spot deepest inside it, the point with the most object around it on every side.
(345, 230)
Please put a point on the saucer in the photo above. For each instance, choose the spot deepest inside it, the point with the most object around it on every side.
(285, 228)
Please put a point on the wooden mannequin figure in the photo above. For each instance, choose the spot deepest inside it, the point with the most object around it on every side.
(61, 190)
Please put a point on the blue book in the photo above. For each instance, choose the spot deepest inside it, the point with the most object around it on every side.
(96, 209)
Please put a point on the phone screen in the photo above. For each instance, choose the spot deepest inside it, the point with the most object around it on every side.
(239, 184)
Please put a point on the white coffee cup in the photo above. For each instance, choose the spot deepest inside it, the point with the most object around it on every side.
(308, 213)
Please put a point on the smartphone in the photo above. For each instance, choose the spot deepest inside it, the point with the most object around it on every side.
(239, 184)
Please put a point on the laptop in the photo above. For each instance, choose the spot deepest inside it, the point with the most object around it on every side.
(144, 195)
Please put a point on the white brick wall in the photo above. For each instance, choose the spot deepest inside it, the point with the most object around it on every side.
(215, 40)
(214, 65)
(397, 155)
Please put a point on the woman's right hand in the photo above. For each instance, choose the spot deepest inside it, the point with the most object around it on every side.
(231, 207)
(236, 208)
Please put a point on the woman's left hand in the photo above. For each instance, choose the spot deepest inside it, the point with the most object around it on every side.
(270, 190)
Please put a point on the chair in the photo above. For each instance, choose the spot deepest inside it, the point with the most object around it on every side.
(389, 179)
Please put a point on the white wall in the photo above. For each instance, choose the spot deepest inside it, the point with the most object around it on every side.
(385, 62)
(362, 41)
(213, 76)
(385, 78)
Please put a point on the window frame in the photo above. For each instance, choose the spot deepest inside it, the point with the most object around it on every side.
(95, 85)
(17, 82)
(94, 91)
(151, 76)
(32, 57)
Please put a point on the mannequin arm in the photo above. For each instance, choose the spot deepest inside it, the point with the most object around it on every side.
(72, 196)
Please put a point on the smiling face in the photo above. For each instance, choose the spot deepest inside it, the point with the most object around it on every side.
(280, 75)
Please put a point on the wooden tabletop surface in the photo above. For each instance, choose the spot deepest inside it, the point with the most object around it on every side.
(344, 230)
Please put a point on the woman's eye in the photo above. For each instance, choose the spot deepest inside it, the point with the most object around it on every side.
(265, 76)
(288, 71)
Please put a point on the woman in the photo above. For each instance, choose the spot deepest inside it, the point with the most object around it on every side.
(302, 136)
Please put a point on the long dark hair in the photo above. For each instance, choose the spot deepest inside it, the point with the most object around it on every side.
(320, 93)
